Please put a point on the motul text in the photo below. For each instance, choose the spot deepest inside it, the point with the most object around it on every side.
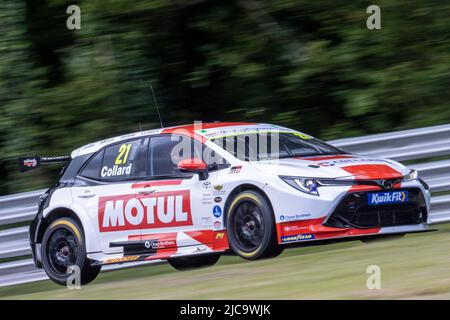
(157, 210)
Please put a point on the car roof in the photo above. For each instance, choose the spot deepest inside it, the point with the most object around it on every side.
(198, 131)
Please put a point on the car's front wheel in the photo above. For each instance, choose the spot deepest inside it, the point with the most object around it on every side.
(63, 246)
(251, 226)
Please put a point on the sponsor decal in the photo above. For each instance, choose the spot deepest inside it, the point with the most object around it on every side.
(152, 242)
(166, 243)
(157, 210)
(217, 199)
(159, 244)
(149, 244)
(285, 217)
(387, 184)
(206, 185)
(217, 225)
(247, 130)
(298, 237)
(294, 228)
(149, 247)
(217, 211)
(206, 197)
(323, 158)
(220, 235)
(218, 190)
(30, 162)
(235, 169)
(116, 171)
(387, 197)
(122, 259)
(121, 165)
(206, 220)
(347, 161)
(238, 130)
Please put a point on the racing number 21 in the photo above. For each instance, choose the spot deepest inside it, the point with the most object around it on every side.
(124, 151)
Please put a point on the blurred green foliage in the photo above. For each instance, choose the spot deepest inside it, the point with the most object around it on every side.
(309, 65)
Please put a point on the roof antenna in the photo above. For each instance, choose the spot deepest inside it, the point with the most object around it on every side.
(157, 108)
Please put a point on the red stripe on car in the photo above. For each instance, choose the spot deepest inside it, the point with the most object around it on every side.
(158, 183)
(316, 228)
(372, 172)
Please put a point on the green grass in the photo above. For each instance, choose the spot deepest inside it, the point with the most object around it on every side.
(4, 260)
(416, 267)
(442, 193)
(14, 225)
(424, 160)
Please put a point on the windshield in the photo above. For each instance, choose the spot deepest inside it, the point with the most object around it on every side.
(273, 145)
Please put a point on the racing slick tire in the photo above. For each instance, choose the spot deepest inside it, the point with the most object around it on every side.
(377, 239)
(63, 245)
(251, 226)
(187, 263)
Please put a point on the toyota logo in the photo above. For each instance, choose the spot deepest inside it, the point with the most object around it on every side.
(387, 184)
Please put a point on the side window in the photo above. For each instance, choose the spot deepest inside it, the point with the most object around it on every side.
(161, 159)
(92, 169)
(166, 151)
(120, 161)
(213, 159)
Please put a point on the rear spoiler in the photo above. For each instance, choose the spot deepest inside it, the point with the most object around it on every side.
(33, 162)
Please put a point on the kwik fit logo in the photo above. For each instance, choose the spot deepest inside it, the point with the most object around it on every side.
(388, 197)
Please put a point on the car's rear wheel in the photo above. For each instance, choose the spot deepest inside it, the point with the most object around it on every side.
(251, 226)
(63, 246)
(193, 262)
(376, 239)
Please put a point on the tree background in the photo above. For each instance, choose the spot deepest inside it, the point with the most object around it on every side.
(309, 65)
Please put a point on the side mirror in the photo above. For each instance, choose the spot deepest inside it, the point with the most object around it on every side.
(195, 165)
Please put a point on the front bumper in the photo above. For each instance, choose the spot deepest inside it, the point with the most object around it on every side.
(354, 212)
(353, 217)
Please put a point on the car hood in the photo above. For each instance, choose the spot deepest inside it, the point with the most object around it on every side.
(337, 166)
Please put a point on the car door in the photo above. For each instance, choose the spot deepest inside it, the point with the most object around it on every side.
(106, 193)
(181, 203)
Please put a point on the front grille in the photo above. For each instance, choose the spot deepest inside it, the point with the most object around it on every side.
(355, 212)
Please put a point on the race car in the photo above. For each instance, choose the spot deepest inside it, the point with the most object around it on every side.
(188, 194)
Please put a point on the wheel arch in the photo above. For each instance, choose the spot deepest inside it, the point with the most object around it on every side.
(54, 214)
(239, 189)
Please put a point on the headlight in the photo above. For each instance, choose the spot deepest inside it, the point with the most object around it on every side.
(306, 185)
(311, 185)
(410, 176)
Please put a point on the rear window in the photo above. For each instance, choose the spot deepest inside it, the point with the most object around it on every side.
(120, 161)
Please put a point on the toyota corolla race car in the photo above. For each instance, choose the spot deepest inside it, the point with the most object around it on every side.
(187, 194)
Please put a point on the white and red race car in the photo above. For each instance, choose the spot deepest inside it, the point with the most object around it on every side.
(189, 193)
